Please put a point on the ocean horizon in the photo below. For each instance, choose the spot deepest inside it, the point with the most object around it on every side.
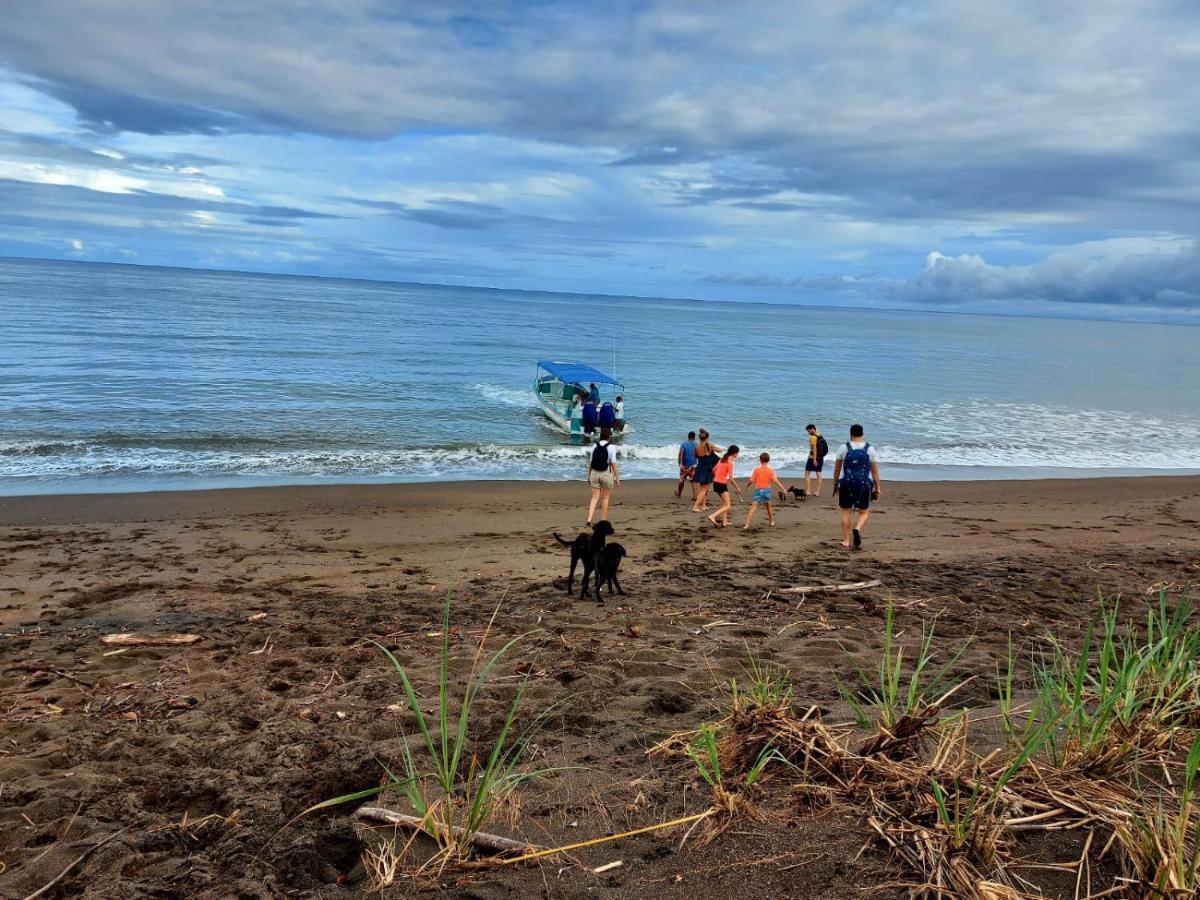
(133, 378)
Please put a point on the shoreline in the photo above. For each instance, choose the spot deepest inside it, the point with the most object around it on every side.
(160, 505)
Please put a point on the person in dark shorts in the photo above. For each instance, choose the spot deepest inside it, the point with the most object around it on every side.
(707, 457)
(856, 483)
(818, 449)
(723, 477)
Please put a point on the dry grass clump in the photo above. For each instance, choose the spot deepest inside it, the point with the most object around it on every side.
(1108, 747)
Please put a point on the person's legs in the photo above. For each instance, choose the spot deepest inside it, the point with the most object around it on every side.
(592, 505)
(820, 481)
(770, 514)
(701, 503)
(605, 494)
(863, 514)
(807, 476)
(723, 511)
(845, 527)
(750, 515)
(679, 487)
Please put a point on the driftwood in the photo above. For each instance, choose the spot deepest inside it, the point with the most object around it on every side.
(826, 588)
(481, 839)
(138, 639)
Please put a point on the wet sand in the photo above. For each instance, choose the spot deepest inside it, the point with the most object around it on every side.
(267, 714)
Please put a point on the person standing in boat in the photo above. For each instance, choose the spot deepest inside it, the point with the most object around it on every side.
(707, 457)
(594, 393)
(589, 416)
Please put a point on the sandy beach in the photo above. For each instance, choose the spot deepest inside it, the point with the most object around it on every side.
(283, 702)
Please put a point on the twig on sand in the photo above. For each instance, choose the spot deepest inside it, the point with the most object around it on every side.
(481, 839)
(84, 855)
(137, 639)
(607, 838)
(822, 588)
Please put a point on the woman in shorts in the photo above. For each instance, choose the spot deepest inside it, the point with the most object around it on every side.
(606, 478)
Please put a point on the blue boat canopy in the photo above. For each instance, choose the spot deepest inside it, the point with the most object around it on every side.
(576, 373)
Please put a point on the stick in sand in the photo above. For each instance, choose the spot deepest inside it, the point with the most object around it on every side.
(821, 588)
(137, 639)
(63, 874)
(480, 839)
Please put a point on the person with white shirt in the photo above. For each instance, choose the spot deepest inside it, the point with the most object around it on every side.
(856, 483)
(603, 475)
(620, 413)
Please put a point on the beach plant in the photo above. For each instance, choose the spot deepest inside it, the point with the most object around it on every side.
(704, 752)
(1162, 842)
(886, 697)
(1122, 696)
(967, 808)
(766, 687)
(453, 786)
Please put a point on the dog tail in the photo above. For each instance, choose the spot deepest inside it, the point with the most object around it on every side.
(558, 538)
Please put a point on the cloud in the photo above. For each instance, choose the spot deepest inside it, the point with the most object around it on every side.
(1164, 280)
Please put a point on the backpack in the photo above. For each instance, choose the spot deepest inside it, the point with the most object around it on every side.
(822, 447)
(856, 466)
(600, 457)
(607, 417)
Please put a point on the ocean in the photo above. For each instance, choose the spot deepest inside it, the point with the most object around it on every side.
(122, 378)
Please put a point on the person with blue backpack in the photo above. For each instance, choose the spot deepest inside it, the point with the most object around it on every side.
(856, 483)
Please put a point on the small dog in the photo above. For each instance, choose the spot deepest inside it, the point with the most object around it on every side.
(587, 549)
(798, 493)
(606, 572)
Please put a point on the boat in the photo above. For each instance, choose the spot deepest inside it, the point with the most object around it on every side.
(557, 385)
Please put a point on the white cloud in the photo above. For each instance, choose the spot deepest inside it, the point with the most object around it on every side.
(1164, 280)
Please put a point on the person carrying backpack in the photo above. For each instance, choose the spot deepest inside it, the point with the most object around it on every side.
(818, 449)
(603, 475)
(856, 483)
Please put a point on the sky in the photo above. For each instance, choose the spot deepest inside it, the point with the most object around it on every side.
(1023, 157)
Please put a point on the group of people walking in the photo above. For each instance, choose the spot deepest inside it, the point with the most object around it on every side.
(710, 469)
(856, 479)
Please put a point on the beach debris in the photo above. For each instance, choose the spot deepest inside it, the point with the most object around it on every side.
(824, 588)
(44, 889)
(257, 617)
(140, 639)
(608, 867)
(480, 839)
(264, 648)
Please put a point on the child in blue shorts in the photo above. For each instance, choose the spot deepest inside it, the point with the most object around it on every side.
(762, 480)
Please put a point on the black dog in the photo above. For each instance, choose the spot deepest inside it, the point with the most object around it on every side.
(606, 572)
(798, 493)
(587, 548)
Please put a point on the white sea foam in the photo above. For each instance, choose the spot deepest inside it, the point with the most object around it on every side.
(506, 395)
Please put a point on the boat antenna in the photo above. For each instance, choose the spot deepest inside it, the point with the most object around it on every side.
(614, 356)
